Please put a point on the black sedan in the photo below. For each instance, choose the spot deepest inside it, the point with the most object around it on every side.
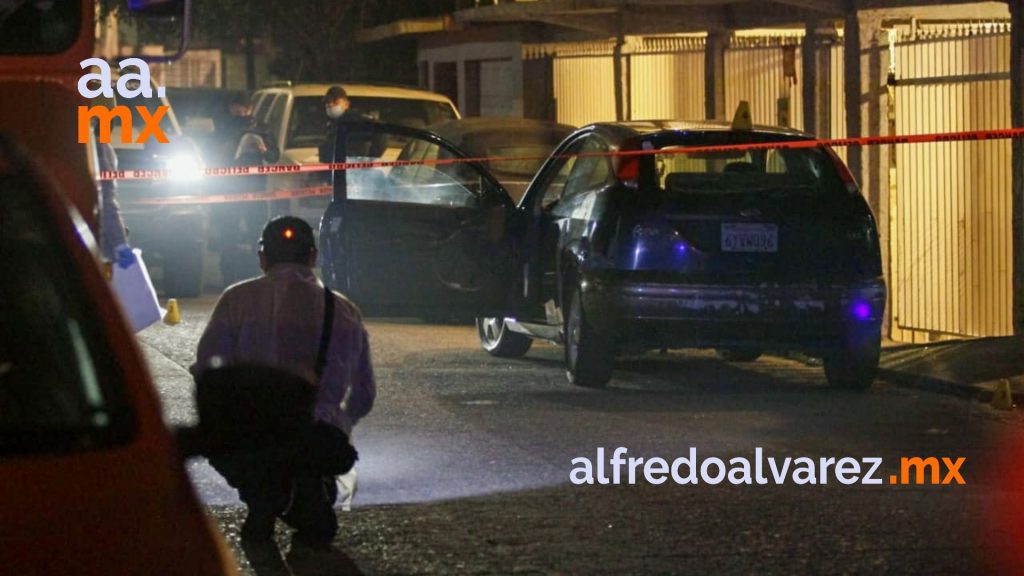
(629, 240)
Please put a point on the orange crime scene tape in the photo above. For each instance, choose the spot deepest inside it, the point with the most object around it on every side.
(286, 194)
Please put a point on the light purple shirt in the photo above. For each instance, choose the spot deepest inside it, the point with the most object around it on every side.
(276, 320)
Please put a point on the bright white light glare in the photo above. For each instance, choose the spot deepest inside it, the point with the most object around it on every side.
(184, 167)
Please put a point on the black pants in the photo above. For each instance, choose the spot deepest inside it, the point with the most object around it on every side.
(304, 502)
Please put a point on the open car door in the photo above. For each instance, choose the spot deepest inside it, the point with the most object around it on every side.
(431, 236)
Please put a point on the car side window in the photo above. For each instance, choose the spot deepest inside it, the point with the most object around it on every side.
(589, 174)
(266, 105)
(276, 115)
(259, 104)
(436, 184)
(413, 151)
(556, 176)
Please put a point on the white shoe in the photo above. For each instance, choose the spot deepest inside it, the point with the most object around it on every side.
(347, 486)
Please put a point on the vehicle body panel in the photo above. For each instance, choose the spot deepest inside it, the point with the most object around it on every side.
(780, 252)
(42, 111)
(653, 267)
(419, 238)
(89, 502)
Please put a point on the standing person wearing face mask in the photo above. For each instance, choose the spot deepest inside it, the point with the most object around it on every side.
(365, 183)
(339, 110)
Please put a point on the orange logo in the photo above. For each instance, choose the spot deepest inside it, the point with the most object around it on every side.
(129, 85)
(105, 117)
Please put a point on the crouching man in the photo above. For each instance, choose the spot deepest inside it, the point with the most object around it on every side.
(286, 319)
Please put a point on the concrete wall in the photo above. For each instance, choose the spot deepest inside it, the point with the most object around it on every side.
(500, 89)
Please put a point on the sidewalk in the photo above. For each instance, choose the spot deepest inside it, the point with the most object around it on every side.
(965, 368)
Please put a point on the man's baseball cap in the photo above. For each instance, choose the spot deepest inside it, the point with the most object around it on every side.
(335, 93)
(287, 238)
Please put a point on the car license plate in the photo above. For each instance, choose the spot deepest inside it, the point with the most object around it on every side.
(750, 238)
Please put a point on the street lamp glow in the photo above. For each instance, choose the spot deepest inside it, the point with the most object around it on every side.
(184, 167)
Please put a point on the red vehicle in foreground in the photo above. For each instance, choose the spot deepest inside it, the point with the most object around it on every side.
(91, 480)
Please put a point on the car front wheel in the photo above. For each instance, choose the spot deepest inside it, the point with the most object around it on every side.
(854, 366)
(498, 340)
(589, 354)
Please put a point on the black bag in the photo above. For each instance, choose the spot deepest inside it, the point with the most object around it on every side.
(247, 407)
(325, 450)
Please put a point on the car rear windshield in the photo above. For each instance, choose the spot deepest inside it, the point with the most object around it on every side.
(60, 387)
(809, 170)
(306, 127)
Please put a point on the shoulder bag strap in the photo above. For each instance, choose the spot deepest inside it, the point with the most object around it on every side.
(325, 334)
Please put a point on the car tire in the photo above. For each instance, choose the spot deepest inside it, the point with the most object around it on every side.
(183, 272)
(589, 354)
(498, 340)
(738, 354)
(855, 365)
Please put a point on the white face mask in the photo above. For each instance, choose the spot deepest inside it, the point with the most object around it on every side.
(335, 112)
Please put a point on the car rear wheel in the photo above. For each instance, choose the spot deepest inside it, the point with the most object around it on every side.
(589, 354)
(738, 354)
(498, 340)
(855, 365)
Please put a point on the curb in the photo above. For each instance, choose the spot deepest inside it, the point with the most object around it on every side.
(926, 383)
(923, 382)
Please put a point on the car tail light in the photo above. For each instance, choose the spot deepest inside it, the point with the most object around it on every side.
(629, 171)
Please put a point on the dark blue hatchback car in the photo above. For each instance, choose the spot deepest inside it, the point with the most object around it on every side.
(628, 240)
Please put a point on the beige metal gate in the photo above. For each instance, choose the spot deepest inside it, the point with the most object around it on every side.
(667, 78)
(755, 71)
(583, 79)
(584, 89)
(951, 215)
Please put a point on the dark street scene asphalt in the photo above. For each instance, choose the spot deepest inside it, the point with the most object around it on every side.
(465, 461)
(593, 287)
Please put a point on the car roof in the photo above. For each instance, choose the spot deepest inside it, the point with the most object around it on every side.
(455, 131)
(633, 128)
(361, 90)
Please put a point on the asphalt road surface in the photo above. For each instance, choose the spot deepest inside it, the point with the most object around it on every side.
(466, 460)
